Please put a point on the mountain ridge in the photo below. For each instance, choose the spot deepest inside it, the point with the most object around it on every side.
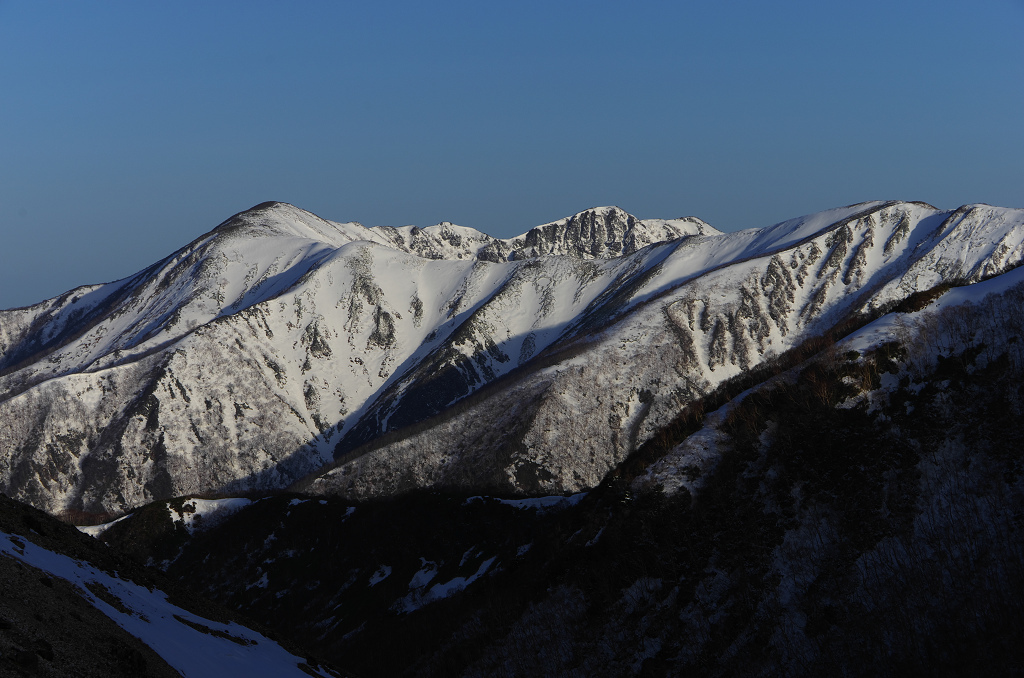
(280, 341)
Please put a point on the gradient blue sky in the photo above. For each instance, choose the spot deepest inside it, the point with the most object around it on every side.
(129, 128)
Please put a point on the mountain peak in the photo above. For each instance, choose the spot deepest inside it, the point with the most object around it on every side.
(281, 219)
(602, 233)
(247, 215)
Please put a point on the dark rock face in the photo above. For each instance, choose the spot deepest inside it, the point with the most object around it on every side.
(586, 235)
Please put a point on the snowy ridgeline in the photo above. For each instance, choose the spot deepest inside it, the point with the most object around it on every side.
(280, 344)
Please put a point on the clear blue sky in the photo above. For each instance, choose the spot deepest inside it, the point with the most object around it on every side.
(129, 128)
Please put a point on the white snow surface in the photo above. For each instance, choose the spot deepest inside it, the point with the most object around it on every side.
(98, 530)
(238, 651)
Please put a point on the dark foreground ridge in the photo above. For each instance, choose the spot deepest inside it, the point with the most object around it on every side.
(53, 625)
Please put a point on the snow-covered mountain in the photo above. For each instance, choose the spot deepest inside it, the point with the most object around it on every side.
(691, 314)
(851, 507)
(279, 343)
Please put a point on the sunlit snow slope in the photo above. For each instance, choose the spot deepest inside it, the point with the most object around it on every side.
(280, 342)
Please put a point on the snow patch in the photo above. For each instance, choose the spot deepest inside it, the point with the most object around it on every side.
(196, 514)
(420, 595)
(382, 573)
(97, 530)
(540, 504)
